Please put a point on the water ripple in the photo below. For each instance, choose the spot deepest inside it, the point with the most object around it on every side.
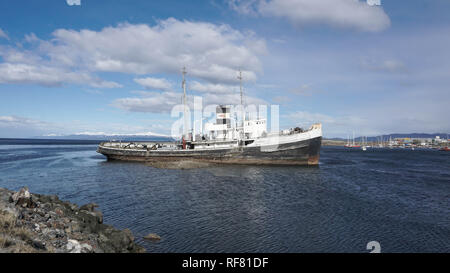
(399, 198)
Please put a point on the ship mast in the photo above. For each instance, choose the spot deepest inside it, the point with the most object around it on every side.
(353, 142)
(242, 105)
(184, 102)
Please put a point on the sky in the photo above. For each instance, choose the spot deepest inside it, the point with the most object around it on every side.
(96, 66)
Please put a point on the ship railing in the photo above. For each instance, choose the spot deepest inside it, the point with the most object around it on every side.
(287, 132)
(139, 145)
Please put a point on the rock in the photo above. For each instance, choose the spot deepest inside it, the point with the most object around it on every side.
(58, 225)
(129, 234)
(89, 207)
(38, 244)
(44, 223)
(12, 211)
(152, 237)
(99, 216)
(68, 229)
(119, 240)
(36, 227)
(46, 231)
(91, 218)
(75, 227)
(40, 212)
(90, 210)
(60, 233)
(59, 211)
(73, 246)
(86, 248)
(103, 239)
(60, 245)
(77, 235)
(23, 198)
(22, 193)
(73, 207)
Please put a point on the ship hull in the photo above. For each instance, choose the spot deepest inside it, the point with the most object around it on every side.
(302, 152)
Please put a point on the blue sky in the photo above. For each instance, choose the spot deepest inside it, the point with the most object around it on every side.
(114, 66)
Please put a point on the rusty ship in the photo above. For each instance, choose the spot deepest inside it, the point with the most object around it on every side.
(243, 142)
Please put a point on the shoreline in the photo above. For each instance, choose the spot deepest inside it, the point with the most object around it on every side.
(36, 223)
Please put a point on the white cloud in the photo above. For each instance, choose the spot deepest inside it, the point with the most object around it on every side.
(25, 66)
(248, 7)
(3, 35)
(96, 133)
(374, 2)
(163, 102)
(151, 102)
(337, 13)
(210, 52)
(73, 2)
(14, 126)
(154, 83)
(12, 55)
(20, 73)
(14, 121)
(231, 99)
(211, 87)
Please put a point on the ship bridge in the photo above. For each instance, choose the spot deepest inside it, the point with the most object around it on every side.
(227, 128)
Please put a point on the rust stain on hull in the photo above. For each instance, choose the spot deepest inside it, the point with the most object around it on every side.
(313, 160)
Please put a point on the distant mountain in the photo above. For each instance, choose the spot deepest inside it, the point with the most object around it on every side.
(106, 137)
(397, 135)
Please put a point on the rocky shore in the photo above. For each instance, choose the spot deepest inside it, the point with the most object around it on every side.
(43, 223)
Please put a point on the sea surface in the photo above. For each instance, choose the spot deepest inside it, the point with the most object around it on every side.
(399, 198)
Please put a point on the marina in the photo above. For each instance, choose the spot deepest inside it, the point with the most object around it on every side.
(436, 143)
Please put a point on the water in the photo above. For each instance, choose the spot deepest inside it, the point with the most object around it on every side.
(399, 198)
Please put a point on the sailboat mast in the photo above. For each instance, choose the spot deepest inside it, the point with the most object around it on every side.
(184, 102)
(242, 104)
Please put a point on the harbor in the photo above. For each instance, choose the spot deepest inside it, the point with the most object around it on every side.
(433, 143)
